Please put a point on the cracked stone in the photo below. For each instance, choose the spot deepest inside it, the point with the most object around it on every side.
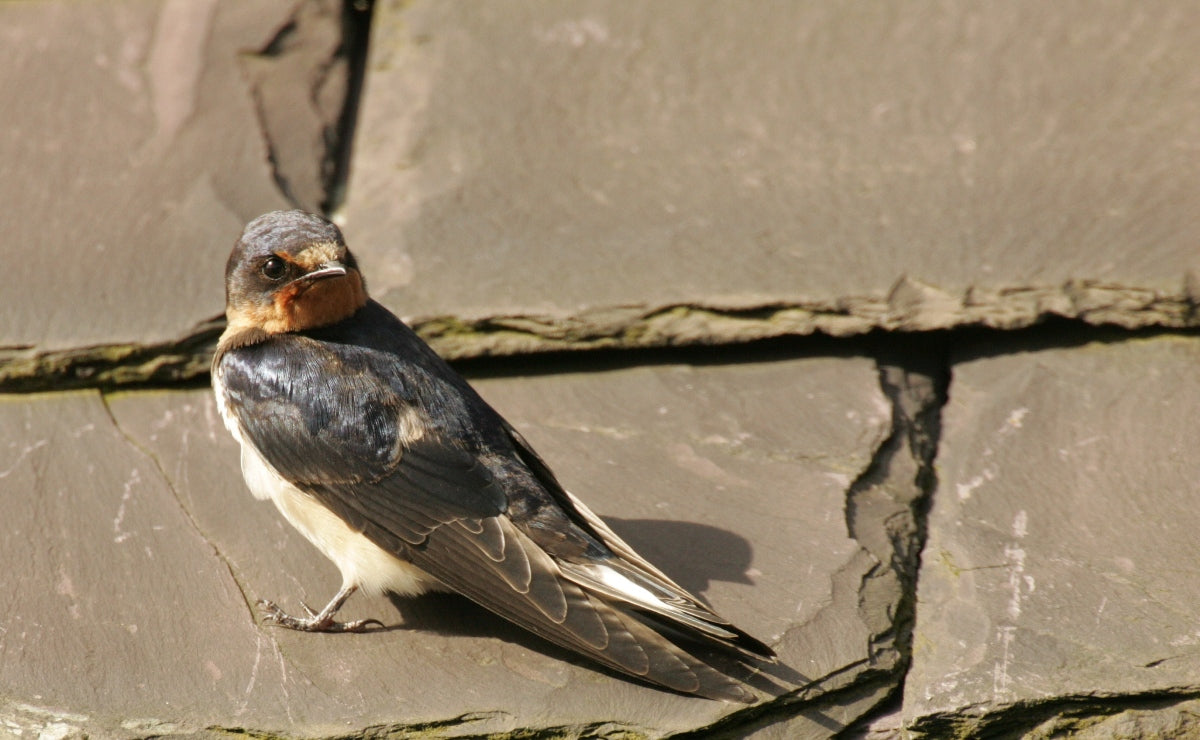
(1179, 720)
(731, 477)
(115, 606)
(1062, 535)
(528, 173)
(825, 718)
(132, 157)
(905, 167)
(301, 80)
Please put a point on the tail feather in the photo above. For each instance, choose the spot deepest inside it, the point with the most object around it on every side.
(628, 645)
(634, 580)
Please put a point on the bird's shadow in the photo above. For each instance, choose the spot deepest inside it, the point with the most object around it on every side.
(693, 555)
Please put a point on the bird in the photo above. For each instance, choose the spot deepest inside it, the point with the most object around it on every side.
(395, 468)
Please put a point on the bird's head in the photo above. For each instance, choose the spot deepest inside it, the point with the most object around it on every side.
(291, 271)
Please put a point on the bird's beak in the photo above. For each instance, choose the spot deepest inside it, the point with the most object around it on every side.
(328, 270)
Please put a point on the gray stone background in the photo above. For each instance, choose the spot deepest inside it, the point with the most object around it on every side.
(873, 323)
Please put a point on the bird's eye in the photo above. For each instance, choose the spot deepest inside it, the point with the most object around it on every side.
(274, 268)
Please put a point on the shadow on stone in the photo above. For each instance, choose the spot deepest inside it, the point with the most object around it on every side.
(694, 555)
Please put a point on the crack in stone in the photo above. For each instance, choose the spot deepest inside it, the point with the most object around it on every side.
(887, 504)
(856, 679)
(247, 597)
(818, 702)
(440, 728)
(107, 367)
(1058, 716)
(911, 309)
(356, 34)
(306, 83)
(191, 519)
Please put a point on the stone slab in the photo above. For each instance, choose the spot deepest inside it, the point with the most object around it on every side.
(732, 478)
(1061, 546)
(132, 155)
(119, 616)
(835, 166)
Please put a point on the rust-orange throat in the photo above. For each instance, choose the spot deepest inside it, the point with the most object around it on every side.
(317, 286)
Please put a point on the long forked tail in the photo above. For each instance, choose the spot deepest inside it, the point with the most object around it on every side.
(630, 578)
(551, 605)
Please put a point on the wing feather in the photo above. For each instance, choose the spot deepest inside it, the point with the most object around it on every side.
(587, 623)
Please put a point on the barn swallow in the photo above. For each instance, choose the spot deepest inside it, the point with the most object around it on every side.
(395, 468)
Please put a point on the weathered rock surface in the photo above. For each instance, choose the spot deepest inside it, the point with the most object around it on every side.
(536, 176)
(129, 141)
(140, 137)
(1061, 542)
(120, 618)
(140, 557)
(647, 177)
(305, 83)
(674, 172)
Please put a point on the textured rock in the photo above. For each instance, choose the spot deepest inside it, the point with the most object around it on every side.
(301, 80)
(803, 166)
(118, 615)
(132, 157)
(1175, 721)
(1062, 535)
(582, 175)
(536, 177)
(820, 719)
(148, 548)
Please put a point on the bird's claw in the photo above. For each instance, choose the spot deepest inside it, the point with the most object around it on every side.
(315, 622)
(358, 625)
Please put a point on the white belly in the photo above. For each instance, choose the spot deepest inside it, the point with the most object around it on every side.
(361, 562)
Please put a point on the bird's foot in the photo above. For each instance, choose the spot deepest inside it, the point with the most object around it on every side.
(322, 621)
